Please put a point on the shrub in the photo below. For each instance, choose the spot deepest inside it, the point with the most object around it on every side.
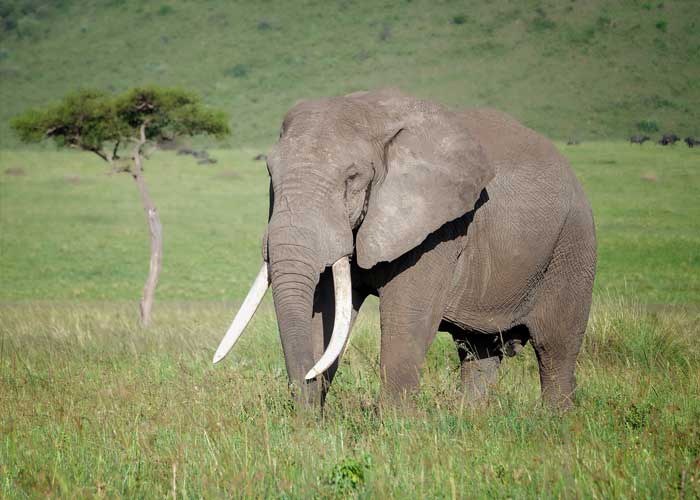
(661, 25)
(165, 10)
(541, 22)
(647, 126)
(348, 475)
(237, 71)
(603, 23)
(459, 19)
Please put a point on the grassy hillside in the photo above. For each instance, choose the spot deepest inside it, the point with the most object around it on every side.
(571, 69)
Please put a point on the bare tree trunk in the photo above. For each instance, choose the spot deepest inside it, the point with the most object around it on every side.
(155, 229)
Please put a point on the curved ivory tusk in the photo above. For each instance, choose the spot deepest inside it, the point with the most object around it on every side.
(341, 324)
(245, 313)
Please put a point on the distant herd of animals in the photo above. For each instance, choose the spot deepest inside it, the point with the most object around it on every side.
(202, 156)
(666, 140)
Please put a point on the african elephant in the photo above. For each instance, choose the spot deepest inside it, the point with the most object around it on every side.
(465, 222)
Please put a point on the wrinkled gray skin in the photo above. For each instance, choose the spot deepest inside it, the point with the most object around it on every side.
(462, 222)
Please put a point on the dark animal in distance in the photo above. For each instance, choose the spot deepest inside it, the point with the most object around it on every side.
(669, 139)
(196, 154)
(17, 171)
(691, 142)
(639, 139)
(202, 155)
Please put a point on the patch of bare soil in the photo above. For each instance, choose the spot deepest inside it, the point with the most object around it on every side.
(228, 174)
(72, 179)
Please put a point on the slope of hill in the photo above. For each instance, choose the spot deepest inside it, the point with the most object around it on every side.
(570, 69)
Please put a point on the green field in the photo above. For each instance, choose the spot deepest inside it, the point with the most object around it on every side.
(70, 231)
(93, 405)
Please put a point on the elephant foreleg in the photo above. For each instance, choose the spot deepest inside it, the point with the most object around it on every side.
(411, 306)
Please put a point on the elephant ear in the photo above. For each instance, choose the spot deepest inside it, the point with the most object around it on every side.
(435, 172)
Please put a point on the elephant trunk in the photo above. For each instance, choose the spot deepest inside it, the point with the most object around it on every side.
(294, 274)
(305, 235)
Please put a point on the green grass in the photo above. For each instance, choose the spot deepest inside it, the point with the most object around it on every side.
(92, 405)
(570, 69)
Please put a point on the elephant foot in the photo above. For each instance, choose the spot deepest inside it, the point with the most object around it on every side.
(478, 378)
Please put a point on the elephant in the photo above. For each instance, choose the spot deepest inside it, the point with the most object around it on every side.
(465, 222)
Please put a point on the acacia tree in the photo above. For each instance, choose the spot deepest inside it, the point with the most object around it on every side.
(106, 125)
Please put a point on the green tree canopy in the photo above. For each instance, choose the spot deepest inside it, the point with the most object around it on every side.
(91, 119)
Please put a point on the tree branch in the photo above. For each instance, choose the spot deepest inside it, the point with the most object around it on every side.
(101, 154)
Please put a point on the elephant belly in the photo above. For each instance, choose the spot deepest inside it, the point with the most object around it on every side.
(506, 251)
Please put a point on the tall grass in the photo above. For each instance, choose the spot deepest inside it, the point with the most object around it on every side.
(92, 405)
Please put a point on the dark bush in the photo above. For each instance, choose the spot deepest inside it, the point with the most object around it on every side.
(237, 71)
(648, 126)
(459, 19)
(165, 10)
(541, 22)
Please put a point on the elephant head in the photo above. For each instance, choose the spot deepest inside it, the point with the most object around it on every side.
(367, 176)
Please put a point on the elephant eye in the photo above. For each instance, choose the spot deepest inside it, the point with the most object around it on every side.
(351, 182)
(352, 172)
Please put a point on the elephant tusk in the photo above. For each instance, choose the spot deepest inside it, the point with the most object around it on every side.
(245, 313)
(343, 314)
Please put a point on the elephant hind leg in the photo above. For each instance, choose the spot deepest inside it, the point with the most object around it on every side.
(480, 356)
(558, 320)
(556, 348)
(557, 325)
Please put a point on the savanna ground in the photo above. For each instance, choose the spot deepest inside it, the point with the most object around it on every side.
(93, 405)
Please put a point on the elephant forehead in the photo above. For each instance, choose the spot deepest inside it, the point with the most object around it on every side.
(320, 149)
(337, 116)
